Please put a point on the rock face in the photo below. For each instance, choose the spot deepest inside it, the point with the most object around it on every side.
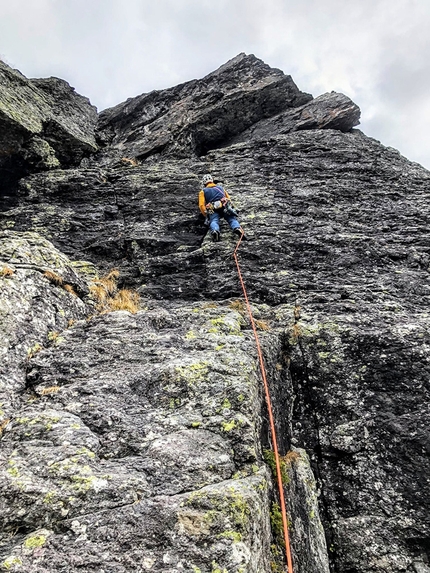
(44, 124)
(139, 442)
(200, 115)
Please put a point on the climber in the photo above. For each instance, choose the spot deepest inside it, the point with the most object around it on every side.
(214, 203)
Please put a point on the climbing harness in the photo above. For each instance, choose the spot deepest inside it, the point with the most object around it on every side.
(224, 204)
(269, 409)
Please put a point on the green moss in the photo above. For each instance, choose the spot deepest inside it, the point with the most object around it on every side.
(241, 398)
(193, 373)
(238, 508)
(34, 350)
(11, 561)
(195, 424)
(190, 335)
(49, 497)
(216, 568)
(220, 326)
(35, 541)
(234, 535)
(228, 426)
(12, 470)
(226, 404)
(174, 403)
(86, 452)
(219, 347)
(269, 458)
(76, 426)
(276, 521)
(196, 569)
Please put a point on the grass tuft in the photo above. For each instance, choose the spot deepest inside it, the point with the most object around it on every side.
(6, 272)
(3, 425)
(109, 298)
(50, 390)
(291, 457)
(125, 300)
(130, 161)
(238, 305)
(53, 278)
(70, 289)
(261, 325)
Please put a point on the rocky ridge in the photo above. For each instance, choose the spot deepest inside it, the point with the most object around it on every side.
(141, 440)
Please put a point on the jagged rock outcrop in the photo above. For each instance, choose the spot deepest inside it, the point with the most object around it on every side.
(149, 455)
(328, 111)
(200, 115)
(44, 124)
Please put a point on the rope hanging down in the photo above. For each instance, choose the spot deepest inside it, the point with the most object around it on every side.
(269, 409)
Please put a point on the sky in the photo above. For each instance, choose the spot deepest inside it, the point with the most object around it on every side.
(377, 52)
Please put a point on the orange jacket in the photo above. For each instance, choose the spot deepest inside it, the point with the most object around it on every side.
(202, 202)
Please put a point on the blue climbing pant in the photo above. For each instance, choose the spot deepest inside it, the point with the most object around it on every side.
(214, 221)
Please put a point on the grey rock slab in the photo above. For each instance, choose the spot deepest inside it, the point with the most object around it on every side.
(154, 427)
(307, 533)
(220, 527)
(33, 310)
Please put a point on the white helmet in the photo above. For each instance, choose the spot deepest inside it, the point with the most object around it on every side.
(207, 179)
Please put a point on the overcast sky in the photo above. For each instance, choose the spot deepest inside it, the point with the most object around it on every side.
(375, 51)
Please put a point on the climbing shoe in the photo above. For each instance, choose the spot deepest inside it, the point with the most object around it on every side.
(238, 232)
(215, 236)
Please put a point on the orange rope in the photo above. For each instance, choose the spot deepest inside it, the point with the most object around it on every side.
(269, 409)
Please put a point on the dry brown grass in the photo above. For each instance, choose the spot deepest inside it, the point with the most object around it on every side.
(31, 352)
(6, 272)
(70, 322)
(70, 289)
(238, 305)
(53, 278)
(3, 425)
(59, 281)
(125, 300)
(210, 305)
(106, 287)
(105, 292)
(261, 325)
(296, 331)
(130, 161)
(50, 390)
(291, 457)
